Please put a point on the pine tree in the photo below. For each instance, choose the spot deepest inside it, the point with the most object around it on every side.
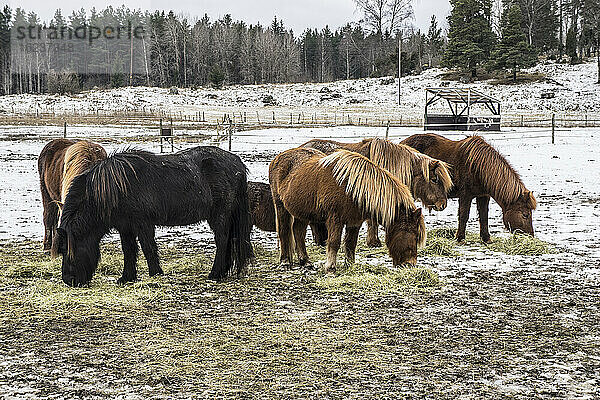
(470, 36)
(435, 41)
(571, 44)
(512, 52)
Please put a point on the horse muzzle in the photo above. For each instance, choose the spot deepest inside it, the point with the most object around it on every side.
(440, 205)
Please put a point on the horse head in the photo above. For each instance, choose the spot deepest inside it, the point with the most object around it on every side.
(78, 238)
(517, 216)
(432, 188)
(404, 236)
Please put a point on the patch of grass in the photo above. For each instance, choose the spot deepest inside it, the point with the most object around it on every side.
(520, 244)
(370, 279)
(441, 243)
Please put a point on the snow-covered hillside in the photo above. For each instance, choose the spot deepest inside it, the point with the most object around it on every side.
(574, 87)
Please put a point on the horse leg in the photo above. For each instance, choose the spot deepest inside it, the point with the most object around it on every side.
(150, 249)
(483, 203)
(130, 250)
(334, 240)
(319, 232)
(50, 217)
(350, 243)
(464, 207)
(299, 227)
(222, 260)
(284, 231)
(373, 234)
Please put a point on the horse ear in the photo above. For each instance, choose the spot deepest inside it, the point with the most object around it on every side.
(531, 201)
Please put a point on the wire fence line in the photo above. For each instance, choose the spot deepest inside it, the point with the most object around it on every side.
(247, 118)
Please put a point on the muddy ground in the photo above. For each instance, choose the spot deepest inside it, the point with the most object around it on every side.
(484, 324)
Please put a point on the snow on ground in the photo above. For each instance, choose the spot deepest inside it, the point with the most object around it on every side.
(575, 91)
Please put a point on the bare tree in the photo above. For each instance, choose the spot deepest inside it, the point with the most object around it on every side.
(384, 16)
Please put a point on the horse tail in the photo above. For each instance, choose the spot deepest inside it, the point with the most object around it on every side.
(239, 231)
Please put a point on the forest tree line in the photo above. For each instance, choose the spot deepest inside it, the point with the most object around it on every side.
(503, 35)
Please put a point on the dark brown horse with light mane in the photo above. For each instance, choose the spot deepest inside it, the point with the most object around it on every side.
(59, 163)
(479, 171)
(343, 188)
(427, 178)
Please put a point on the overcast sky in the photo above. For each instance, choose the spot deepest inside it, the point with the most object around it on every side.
(298, 15)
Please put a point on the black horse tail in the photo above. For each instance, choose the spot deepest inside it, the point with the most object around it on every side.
(239, 231)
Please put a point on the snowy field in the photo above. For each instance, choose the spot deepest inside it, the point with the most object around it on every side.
(573, 86)
(565, 177)
(501, 326)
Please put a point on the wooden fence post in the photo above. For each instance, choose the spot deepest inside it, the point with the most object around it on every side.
(553, 127)
(65, 130)
(230, 134)
(387, 130)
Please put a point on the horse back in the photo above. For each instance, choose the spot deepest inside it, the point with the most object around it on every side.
(182, 188)
(307, 189)
(51, 164)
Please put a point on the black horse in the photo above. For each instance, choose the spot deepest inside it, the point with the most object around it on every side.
(134, 191)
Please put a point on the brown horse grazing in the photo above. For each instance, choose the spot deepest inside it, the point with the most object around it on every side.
(262, 209)
(428, 179)
(59, 163)
(343, 188)
(481, 172)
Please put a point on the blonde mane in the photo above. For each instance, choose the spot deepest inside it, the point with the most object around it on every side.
(78, 158)
(401, 160)
(495, 172)
(374, 189)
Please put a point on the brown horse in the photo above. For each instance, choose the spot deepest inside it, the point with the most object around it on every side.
(481, 172)
(262, 209)
(427, 178)
(59, 163)
(343, 188)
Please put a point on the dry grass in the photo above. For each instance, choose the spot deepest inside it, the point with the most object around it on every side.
(520, 244)
(372, 279)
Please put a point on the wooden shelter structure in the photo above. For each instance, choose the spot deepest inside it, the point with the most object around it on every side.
(166, 137)
(461, 101)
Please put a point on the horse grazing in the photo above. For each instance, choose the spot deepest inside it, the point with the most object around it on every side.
(59, 163)
(480, 171)
(427, 178)
(343, 188)
(262, 209)
(134, 191)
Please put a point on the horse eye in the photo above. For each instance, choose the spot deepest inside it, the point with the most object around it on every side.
(434, 179)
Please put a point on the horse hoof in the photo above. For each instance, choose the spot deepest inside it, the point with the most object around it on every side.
(487, 241)
(376, 243)
(156, 272)
(123, 281)
(303, 261)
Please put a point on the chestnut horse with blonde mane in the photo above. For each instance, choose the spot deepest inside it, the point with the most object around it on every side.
(59, 163)
(479, 171)
(343, 188)
(427, 178)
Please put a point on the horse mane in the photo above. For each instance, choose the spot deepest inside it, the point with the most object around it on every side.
(494, 171)
(401, 160)
(78, 158)
(373, 188)
(110, 179)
